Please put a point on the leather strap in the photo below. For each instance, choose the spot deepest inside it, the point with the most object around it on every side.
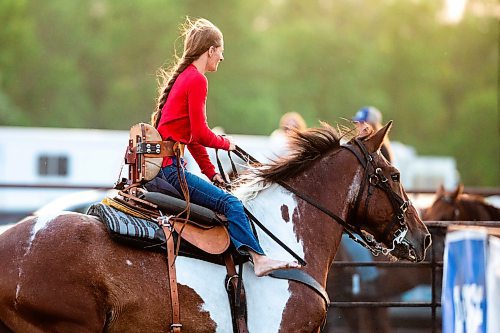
(160, 148)
(236, 293)
(304, 278)
(176, 325)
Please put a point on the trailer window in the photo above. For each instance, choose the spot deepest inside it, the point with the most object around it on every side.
(53, 165)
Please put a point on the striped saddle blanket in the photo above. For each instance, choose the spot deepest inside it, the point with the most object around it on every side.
(129, 229)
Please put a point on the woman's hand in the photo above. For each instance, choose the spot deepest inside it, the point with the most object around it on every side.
(218, 180)
(232, 145)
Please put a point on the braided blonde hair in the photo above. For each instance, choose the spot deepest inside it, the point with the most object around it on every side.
(199, 36)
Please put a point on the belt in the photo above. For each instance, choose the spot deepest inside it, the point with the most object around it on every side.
(168, 148)
(174, 148)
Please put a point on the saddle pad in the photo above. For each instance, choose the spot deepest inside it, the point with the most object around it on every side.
(143, 232)
(139, 232)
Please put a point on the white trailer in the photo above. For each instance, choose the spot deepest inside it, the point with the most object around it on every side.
(73, 159)
(55, 156)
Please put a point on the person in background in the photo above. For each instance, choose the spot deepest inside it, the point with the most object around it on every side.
(368, 119)
(180, 116)
(289, 122)
(292, 121)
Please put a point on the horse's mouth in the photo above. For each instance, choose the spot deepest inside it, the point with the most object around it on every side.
(402, 249)
(405, 250)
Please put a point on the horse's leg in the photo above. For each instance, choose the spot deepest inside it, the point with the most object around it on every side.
(300, 315)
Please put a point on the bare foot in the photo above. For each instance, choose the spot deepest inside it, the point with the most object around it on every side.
(264, 265)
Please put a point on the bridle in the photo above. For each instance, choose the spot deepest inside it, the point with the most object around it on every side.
(374, 177)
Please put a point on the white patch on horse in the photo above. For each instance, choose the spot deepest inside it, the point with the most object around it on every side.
(129, 263)
(18, 286)
(267, 297)
(207, 280)
(266, 301)
(353, 190)
(266, 207)
(41, 223)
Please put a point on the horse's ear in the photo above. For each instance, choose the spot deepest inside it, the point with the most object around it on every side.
(440, 191)
(458, 191)
(374, 142)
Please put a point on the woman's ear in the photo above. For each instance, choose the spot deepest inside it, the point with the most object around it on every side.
(211, 51)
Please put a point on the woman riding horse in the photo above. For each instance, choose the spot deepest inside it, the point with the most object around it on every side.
(63, 273)
(180, 116)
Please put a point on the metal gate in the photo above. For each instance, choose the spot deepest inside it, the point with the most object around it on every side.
(434, 264)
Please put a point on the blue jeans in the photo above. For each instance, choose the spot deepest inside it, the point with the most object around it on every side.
(210, 196)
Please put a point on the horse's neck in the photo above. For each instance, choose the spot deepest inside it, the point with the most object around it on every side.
(307, 231)
(494, 212)
(477, 209)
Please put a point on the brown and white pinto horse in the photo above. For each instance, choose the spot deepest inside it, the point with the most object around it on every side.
(62, 273)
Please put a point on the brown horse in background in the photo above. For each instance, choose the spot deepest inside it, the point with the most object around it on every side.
(62, 273)
(459, 206)
(392, 282)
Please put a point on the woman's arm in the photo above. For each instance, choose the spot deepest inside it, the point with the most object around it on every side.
(200, 132)
(200, 155)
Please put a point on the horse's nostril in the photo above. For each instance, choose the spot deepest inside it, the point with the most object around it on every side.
(427, 241)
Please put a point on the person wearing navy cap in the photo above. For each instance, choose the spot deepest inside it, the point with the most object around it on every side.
(368, 119)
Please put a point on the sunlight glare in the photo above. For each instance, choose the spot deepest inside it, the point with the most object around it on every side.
(453, 11)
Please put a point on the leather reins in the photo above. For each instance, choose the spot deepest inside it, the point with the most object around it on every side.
(376, 179)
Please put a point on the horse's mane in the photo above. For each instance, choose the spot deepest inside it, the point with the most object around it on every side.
(304, 146)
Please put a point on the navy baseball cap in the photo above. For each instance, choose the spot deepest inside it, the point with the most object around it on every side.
(368, 114)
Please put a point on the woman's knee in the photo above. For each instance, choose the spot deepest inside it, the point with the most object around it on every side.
(232, 202)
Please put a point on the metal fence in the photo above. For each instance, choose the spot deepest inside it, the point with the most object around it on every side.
(438, 231)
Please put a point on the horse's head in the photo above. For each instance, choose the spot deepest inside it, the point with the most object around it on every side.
(381, 212)
(353, 184)
(444, 207)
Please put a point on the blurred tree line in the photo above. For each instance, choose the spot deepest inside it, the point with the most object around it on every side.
(92, 64)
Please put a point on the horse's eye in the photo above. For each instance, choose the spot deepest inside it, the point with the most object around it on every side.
(395, 177)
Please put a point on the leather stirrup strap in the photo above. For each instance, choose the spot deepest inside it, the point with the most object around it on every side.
(236, 293)
(176, 325)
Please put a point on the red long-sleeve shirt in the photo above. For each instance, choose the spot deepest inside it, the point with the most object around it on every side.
(184, 119)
